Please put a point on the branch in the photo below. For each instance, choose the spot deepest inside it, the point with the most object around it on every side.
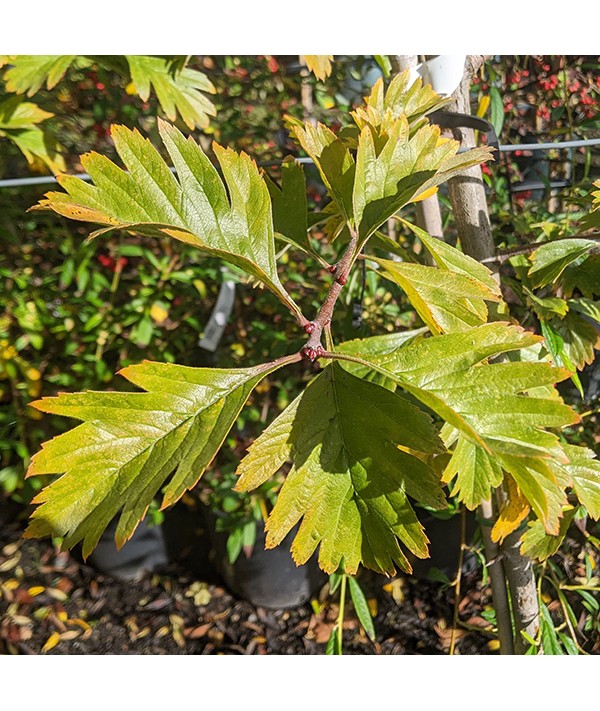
(314, 348)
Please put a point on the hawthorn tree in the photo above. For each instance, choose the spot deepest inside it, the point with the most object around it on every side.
(462, 406)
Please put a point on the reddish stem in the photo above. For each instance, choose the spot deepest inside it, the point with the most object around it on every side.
(314, 348)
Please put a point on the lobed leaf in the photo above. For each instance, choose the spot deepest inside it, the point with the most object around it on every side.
(318, 64)
(131, 443)
(490, 406)
(230, 219)
(350, 445)
(178, 90)
(27, 73)
(550, 260)
(445, 300)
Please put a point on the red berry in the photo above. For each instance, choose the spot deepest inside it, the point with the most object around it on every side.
(342, 280)
(309, 327)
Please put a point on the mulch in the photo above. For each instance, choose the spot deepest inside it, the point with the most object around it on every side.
(51, 602)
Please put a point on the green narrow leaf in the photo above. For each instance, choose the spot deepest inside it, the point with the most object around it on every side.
(349, 480)
(496, 110)
(361, 607)
(234, 544)
(290, 210)
(383, 61)
(332, 643)
(130, 443)
(231, 220)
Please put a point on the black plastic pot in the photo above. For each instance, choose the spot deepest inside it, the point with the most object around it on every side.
(268, 578)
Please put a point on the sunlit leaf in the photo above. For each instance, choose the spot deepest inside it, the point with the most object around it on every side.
(489, 404)
(551, 259)
(230, 219)
(445, 300)
(349, 480)
(28, 73)
(318, 64)
(537, 543)
(178, 90)
(130, 444)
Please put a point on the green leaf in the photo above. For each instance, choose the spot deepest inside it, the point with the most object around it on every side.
(451, 259)
(361, 607)
(560, 354)
(234, 545)
(584, 470)
(37, 144)
(19, 123)
(231, 220)
(349, 478)
(579, 338)
(444, 299)
(414, 100)
(587, 307)
(375, 345)
(477, 473)
(551, 259)
(546, 307)
(394, 168)
(332, 643)
(550, 643)
(17, 114)
(333, 160)
(538, 544)
(585, 277)
(27, 73)
(489, 404)
(383, 61)
(496, 110)
(290, 210)
(130, 443)
(178, 90)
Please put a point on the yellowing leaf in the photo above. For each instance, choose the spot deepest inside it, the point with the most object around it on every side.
(349, 480)
(158, 312)
(28, 73)
(178, 90)
(512, 513)
(489, 405)
(484, 105)
(319, 64)
(231, 219)
(51, 642)
(130, 444)
(427, 194)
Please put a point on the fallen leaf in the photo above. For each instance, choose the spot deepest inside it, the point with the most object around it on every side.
(51, 642)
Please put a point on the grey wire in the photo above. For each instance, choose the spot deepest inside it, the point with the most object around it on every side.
(49, 180)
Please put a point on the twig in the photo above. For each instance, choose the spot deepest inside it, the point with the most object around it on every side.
(314, 348)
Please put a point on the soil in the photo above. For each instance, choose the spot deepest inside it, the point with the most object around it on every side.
(52, 602)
